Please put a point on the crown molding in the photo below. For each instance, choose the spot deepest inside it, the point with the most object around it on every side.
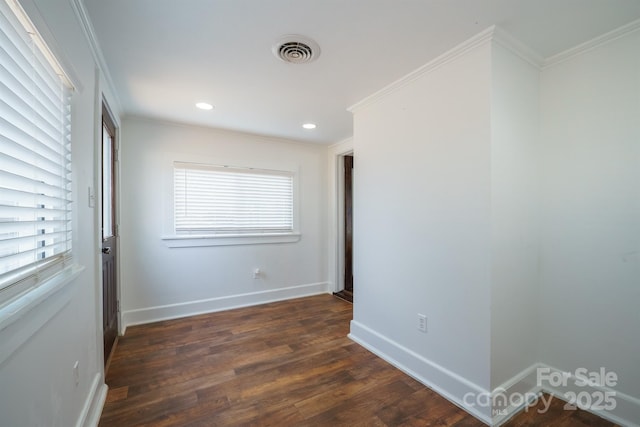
(491, 34)
(87, 27)
(470, 44)
(520, 49)
(592, 44)
(342, 142)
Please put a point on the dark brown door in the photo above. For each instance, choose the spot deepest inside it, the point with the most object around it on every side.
(109, 236)
(348, 223)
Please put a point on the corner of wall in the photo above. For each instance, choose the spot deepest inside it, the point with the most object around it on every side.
(446, 383)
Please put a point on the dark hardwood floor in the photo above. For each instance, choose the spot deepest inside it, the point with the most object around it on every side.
(345, 295)
(287, 363)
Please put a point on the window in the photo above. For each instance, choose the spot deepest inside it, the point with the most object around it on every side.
(35, 157)
(227, 200)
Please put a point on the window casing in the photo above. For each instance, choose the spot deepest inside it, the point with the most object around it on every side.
(35, 157)
(220, 200)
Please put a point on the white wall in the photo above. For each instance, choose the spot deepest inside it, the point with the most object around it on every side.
(590, 274)
(431, 197)
(37, 385)
(504, 203)
(158, 281)
(422, 223)
(515, 214)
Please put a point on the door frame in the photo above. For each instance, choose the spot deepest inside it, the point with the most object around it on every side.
(105, 108)
(336, 212)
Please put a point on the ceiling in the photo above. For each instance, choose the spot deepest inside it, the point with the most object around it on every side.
(166, 55)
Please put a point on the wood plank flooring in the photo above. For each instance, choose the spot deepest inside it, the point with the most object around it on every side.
(286, 363)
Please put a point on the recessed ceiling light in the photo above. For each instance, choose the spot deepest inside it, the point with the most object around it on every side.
(309, 125)
(204, 106)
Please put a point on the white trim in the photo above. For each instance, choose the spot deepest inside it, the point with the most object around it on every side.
(453, 387)
(493, 33)
(51, 297)
(92, 409)
(521, 384)
(474, 42)
(446, 383)
(343, 146)
(515, 46)
(87, 27)
(335, 188)
(592, 44)
(210, 305)
(340, 233)
(189, 241)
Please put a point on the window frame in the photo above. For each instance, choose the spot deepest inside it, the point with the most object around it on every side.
(175, 240)
(26, 309)
(24, 286)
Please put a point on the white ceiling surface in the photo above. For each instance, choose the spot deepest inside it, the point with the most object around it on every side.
(165, 55)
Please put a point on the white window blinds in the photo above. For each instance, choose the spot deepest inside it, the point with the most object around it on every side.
(212, 199)
(35, 156)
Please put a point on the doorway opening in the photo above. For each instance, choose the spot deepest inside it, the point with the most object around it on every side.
(346, 234)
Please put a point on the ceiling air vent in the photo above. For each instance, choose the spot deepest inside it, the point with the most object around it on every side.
(296, 49)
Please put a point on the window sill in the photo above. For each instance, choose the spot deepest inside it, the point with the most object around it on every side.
(55, 291)
(192, 241)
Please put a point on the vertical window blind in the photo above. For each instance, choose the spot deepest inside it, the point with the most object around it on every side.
(215, 199)
(35, 156)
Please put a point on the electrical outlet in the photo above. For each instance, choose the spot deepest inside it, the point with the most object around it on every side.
(422, 323)
(76, 372)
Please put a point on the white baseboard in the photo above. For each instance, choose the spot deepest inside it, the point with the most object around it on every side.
(192, 308)
(92, 409)
(448, 384)
(514, 395)
(503, 402)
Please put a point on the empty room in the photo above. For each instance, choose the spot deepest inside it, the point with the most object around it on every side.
(319, 213)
